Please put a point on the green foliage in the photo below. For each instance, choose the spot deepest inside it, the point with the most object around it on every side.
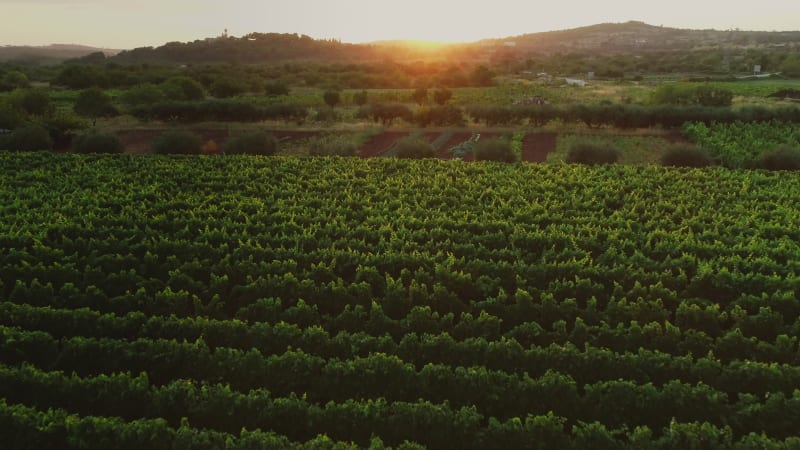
(94, 102)
(592, 154)
(420, 96)
(253, 143)
(414, 149)
(463, 149)
(442, 96)
(682, 155)
(30, 137)
(333, 146)
(482, 76)
(179, 142)
(98, 142)
(332, 98)
(495, 150)
(14, 79)
(440, 116)
(226, 87)
(10, 117)
(790, 66)
(220, 110)
(713, 96)
(182, 88)
(62, 126)
(386, 114)
(737, 144)
(276, 88)
(168, 303)
(688, 94)
(360, 98)
(31, 101)
(142, 94)
(81, 76)
(781, 158)
(325, 115)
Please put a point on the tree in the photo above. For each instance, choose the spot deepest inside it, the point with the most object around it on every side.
(713, 96)
(275, 89)
(442, 96)
(683, 155)
(62, 125)
(791, 66)
(179, 142)
(482, 76)
(420, 96)
(360, 98)
(386, 114)
(10, 118)
(14, 79)
(94, 103)
(255, 143)
(97, 142)
(143, 94)
(332, 98)
(494, 150)
(29, 138)
(414, 149)
(79, 76)
(226, 87)
(31, 101)
(182, 89)
(591, 154)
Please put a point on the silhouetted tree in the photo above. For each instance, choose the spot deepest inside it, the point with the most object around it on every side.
(332, 98)
(442, 96)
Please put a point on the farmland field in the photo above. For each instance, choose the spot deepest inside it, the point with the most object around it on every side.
(245, 302)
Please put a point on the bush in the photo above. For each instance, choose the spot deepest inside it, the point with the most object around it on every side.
(98, 142)
(447, 115)
(494, 150)
(782, 158)
(685, 156)
(29, 138)
(31, 101)
(254, 143)
(592, 154)
(182, 88)
(143, 94)
(178, 142)
(227, 87)
(333, 146)
(325, 115)
(414, 149)
(275, 89)
(94, 102)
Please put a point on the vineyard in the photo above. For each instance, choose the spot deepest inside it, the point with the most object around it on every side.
(247, 302)
(737, 144)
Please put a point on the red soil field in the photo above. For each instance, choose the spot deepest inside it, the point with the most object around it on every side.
(381, 144)
(536, 146)
(293, 135)
(141, 141)
(457, 138)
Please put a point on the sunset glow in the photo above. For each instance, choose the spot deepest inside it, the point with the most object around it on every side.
(124, 24)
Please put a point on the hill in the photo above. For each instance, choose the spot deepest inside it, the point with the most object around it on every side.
(636, 36)
(49, 53)
(608, 38)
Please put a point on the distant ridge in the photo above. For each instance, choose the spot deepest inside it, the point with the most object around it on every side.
(638, 36)
(633, 37)
(49, 53)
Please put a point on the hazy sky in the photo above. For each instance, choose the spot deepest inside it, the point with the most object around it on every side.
(137, 23)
